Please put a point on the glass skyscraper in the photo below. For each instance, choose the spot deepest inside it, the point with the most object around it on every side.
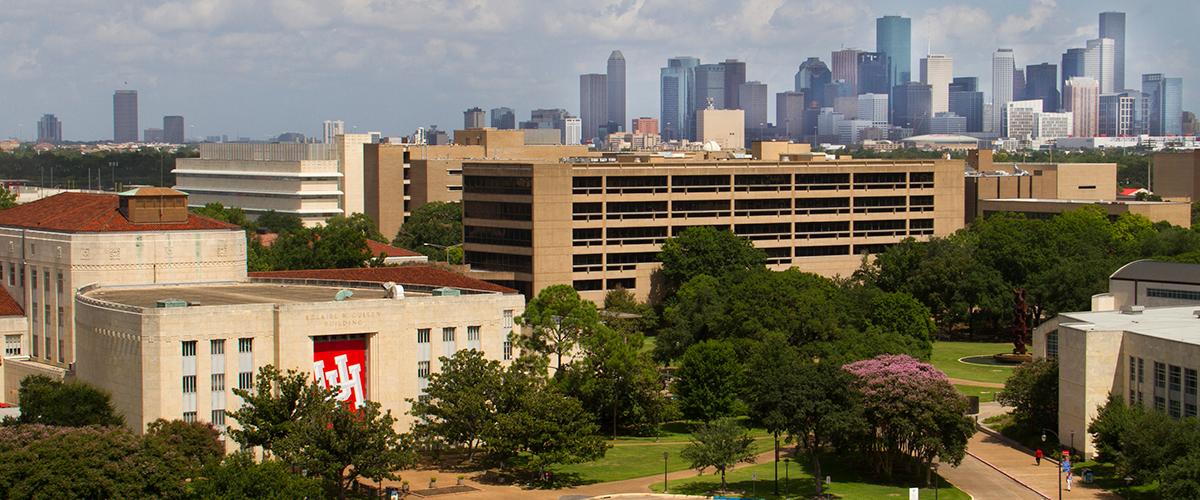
(677, 82)
(893, 36)
(1112, 25)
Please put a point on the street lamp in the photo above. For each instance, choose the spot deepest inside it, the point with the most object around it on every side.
(776, 464)
(934, 466)
(1060, 464)
(443, 248)
(787, 478)
(665, 455)
(1128, 483)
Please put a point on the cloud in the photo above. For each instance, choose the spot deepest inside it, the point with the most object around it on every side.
(196, 15)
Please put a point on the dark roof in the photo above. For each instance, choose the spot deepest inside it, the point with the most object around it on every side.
(389, 251)
(1163, 272)
(404, 275)
(8, 306)
(92, 213)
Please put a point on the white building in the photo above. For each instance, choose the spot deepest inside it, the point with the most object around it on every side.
(1098, 63)
(948, 124)
(874, 108)
(1054, 125)
(1021, 118)
(333, 128)
(572, 130)
(828, 121)
(937, 71)
(1003, 67)
(849, 130)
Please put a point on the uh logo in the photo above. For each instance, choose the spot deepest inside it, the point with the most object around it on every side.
(346, 379)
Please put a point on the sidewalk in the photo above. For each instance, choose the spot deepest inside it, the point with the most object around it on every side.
(1021, 467)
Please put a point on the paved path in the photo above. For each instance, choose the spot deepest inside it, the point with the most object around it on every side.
(991, 385)
(1020, 465)
(984, 483)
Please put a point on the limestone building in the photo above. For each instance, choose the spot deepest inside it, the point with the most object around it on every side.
(726, 127)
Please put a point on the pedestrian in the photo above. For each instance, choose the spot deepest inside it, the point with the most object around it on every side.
(1070, 477)
(1038, 456)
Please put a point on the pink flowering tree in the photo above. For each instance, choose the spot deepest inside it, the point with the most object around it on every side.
(915, 412)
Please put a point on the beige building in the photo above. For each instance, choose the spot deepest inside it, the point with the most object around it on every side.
(1177, 213)
(178, 351)
(726, 127)
(599, 225)
(1174, 176)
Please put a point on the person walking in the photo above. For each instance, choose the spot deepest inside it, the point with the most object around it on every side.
(1038, 456)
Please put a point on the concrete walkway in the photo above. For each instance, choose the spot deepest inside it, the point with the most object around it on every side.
(990, 385)
(1020, 466)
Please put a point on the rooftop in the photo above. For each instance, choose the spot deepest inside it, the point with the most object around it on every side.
(1178, 324)
(92, 213)
(389, 251)
(226, 294)
(1163, 272)
(8, 306)
(416, 274)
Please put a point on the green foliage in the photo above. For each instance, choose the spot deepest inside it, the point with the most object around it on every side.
(552, 427)
(903, 315)
(438, 223)
(1110, 423)
(71, 404)
(719, 444)
(707, 381)
(279, 222)
(558, 318)
(462, 400)
(1032, 391)
(147, 165)
(704, 250)
(232, 215)
(273, 408)
(8, 199)
(697, 314)
(239, 477)
(357, 222)
(620, 300)
(196, 443)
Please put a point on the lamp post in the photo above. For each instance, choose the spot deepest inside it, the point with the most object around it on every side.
(113, 164)
(934, 466)
(1128, 483)
(1060, 465)
(777, 464)
(787, 478)
(443, 248)
(665, 455)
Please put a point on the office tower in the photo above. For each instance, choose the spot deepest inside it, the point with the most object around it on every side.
(1172, 110)
(1018, 84)
(644, 125)
(1122, 114)
(710, 87)
(572, 131)
(125, 116)
(828, 121)
(873, 108)
(1041, 82)
(616, 89)
(964, 84)
(1081, 98)
(152, 134)
(593, 104)
(334, 128)
(504, 118)
(752, 96)
(947, 123)
(1003, 67)
(1190, 125)
(911, 107)
(937, 71)
(1152, 88)
(49, 130)
(735, 76)
(1053, 125)
(1112, 26)
(893, 37)
(173, 130)
(840, 95)
(726, 127)
(813, 74)
(873, 73)
(474, 118)
(967, 102)
(1021, 118)
(1098, 63)
(676, 82)
(1072, 65)
(789, 114)
(845, 67)
(546, 119)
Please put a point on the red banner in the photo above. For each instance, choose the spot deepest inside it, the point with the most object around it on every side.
(341, 365)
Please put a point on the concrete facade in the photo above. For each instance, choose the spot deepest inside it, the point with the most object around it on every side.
(1174, 176)
(726, 127)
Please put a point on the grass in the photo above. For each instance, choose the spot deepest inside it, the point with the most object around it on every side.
(682, 431)
(986, 394)
(630, 462)
(1107, 478)
(946, 358)
(847, 483)
(648, 344)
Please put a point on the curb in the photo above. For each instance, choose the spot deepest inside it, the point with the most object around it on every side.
(995, 434)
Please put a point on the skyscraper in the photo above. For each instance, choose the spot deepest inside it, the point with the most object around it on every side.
(1112, 25)
(173, 130)
(1003, 67)
(893, 36)
(675, 100)
(813, 74)
(752, 96)
(1122, 114)
(710, 87)
(1072, 65)
(1018, 84)
(735, 76)
(616, 88)
(1152, 87)
(333, 128)
(125, 116)
(593, 104)
(1098, 63)
(967, 101)
(1172, 106)
(1041, 82)
(504, 118)
(49, 130)
(474, 118)
(845, 68)
(1081, 97)
(911, 107)
(873, 108)
(937, 71)
(789, 114)
(873, 73)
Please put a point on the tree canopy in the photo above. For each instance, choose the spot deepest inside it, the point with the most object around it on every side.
(719, 444)
(708, 381)
(1032, 391)
(705, 250)
(72, 403)
(558, 319)
(437, 223)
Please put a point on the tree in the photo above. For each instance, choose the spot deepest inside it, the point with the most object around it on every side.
(552, 427)
(825, 409)
(358, 222)
(719, 444)
(232, 215)
(437, 223)
(8, 199)
(462, 399)
(903, 315)
(1032, 391)
(197, 443)
(1109, 425)
(697, 314)
(336, 246)
(708, 380)
(558, 318)
(279, 222)
(239, 477)
(770, 383)
(273, 407)
(620, 300)
(704, 250)
(71, 404)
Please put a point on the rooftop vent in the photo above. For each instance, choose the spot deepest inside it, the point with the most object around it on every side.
(165, 303)
(1132, 309)
(445, 292)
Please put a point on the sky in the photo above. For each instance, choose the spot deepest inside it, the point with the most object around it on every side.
(258, 68)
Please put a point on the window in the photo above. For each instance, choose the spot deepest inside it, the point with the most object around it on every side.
(1132, 397)
(245, 345)
(1189, 382)
(22, 276)
(448, 334)
(46, 278)
(218, 382)
(189, 384)
(12, 345)
(189, 348)
(1160, 403)
(422, 335)
(33, 277)
(12, 275)
(60, 316)
(1175, 378)
(472, 334)
(189, 416)
(1141, 399)
(48, 317)
(60, 282)
(49, 346)
(34, 345)
(508, 318)
(33, 313)
(1160, 375)
(1176, 410)
(246, 381)
(1172, 294)
(507, 350)
(1189, 410)
(1132, 371)
(1052, 344)
(422, 369)
(1141, 371)
(218, 417)
(216, 347)
(60, 351)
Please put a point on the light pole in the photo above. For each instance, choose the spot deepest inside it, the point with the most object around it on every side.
(443, 248)
(1128, 483)
(934, 466)
(787, 478)
(776, 464)
(113, 164)
(1061, 463)
(665, 455)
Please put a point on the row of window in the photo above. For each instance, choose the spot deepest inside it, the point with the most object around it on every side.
(1172, 294)
(745, 182)
(1179, 383)
(423, 334)
(14, 274)
(218, 417)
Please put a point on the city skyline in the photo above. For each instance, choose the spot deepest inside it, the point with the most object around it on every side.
(262, 68)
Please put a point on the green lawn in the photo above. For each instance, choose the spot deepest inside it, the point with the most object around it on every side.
(986, 394)
(682, 431)
(629, 462)
(1107, 478)
(648, 344)
(946, 357)
(847, 483)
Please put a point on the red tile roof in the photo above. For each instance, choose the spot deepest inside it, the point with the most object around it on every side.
(91, 213)
(8, 306)
(404, 275)
(389, 251)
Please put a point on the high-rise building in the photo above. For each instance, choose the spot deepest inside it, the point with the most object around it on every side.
(726, 127)
(474, 118)
(125, 116)
(49, 130)
(1021, 118)
(1098, 63)
(893, 37)
(1053, 125)
(153, 135)
(964, 84)
(735, 76)
(873, 73)
(752, 97)
(789, 114)
(333, 128)
(1081, 98)
(1072, 66)
(593, 104)
(1112, 25)
(1172, 111)
(1041, 82)
(616, 88)
(710, 87)
(967, 102)
(1018, 84)
(912, 106)
(173, 130)
(873, 108)
(572, 131)
(1122, 114)
(845, 67)
(644, 125)
(813, 74)
(676, 83)
(504, 118)
(1003, 67)
(937, 71)
(840, 95)
(947, 123)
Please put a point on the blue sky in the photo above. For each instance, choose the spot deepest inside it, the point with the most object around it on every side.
(256, 68)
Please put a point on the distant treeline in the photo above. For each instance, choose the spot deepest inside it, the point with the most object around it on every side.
(68, 168)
